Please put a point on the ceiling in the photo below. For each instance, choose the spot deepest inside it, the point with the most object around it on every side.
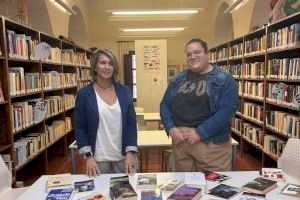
(103, 25)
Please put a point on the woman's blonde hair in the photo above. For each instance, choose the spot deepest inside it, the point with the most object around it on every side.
(113, 60)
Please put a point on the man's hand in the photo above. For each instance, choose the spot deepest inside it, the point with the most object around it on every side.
(176, 135)
(92, 168)
(129, 164)
(191, 135)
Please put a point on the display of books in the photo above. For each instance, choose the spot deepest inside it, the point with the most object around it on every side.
(60, 194)
(274, 174)
(224, 191)
(260, 185)
(215, 177)
(186, 193)
(151, 195)
(252, 196)
(291, 190)
(59, 181)
(121, 189)
(84, 186)
(146, 181)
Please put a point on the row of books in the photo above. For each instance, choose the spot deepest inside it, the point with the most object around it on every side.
(212, 56)
(54, 79)
(83, 84)
(286, 68)
(234, 70)
(222, 54)
(283, 94)
(21, 46)
(285, 37)
(240, 87)
(56, 130)
(273, 145)
(69, 56)
(54, 105)
(255, 46)
(22, 83)
(1, 93)
(253, 89)
(22, 115)
(236, 51)
(253, 70)
(28, 146)
(253, 111)
(68, 121)
(84, 74)
(69, 101)
(253, 134)
(283, 122)
(236, 124)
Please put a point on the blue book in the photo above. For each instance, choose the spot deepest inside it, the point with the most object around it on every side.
(60, 194)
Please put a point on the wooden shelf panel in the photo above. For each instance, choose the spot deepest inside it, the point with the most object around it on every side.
(4, 147)
(26, 128)
(19, 167)
(253, 121)
(236, 132)
(257, 146)
(273, 130)
(254, 55)
(252, 98)
(3, 102)
(22, 60)
(281, 105)
(282, 80)
(26, 94)
(54, 89)
(284, 50)
(61, 112)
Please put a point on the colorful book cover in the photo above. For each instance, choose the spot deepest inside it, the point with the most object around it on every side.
(120, 188)
(224, 191)
(60, 194)
(260, 185)
(146, 181)
(252, 196)
(186, 193)
(151, 195)
(169, 185)
(291, 190)
(215, 177)
(274, 174)
(84, 186)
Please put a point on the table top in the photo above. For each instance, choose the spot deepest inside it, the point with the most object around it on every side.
(38, 190)
(150, 116)
(159, 138)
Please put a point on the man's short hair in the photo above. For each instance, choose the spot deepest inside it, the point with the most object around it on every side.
(199, 41)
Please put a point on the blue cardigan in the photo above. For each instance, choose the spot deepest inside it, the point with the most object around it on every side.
(86, 117)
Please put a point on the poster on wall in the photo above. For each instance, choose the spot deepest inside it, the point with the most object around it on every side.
(152, 58)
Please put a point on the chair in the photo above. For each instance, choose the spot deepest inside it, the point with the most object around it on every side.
(289, 161)
(5, 184)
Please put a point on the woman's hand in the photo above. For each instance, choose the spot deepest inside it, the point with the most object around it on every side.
(92, 168)
(129, 163)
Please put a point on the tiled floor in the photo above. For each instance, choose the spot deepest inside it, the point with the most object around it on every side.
(245, 162)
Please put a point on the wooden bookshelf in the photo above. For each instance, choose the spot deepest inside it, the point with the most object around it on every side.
(38, 163)
(263, 55)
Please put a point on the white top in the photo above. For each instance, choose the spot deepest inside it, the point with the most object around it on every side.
(109, 133)
(38, 190)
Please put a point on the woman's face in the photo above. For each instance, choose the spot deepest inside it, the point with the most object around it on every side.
(104, 69)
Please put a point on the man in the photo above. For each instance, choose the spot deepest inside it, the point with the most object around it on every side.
(196, 111)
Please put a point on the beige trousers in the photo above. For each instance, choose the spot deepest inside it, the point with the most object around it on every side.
(201, 156)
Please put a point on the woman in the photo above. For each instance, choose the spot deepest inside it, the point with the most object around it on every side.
(105, 120)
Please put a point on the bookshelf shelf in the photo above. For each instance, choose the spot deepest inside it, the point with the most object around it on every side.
(253, 98)
(281, 105)
(263, 43)
(253, 121)
(32, 71)
(4, 147)
(19, 167)
(276, 132)
(26, 94)
(26, 128)
(236, 132)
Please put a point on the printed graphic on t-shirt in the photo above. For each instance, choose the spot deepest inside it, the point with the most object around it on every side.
(198, 88)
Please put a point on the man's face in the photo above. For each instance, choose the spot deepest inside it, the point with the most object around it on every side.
(196, 57)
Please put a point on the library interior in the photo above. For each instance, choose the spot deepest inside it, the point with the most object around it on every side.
(149, 99)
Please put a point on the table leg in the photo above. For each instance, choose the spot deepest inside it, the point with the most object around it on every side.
(73, 160)
(234, 154)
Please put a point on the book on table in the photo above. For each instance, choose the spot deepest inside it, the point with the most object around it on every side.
(260, 185)
(59, 181)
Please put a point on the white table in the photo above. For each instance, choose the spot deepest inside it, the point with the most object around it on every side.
(153, 139)
(38, 190)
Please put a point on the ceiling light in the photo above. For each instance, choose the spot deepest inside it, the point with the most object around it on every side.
(235, 5)
(152, 29)
(60, 4)
(156, 12)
